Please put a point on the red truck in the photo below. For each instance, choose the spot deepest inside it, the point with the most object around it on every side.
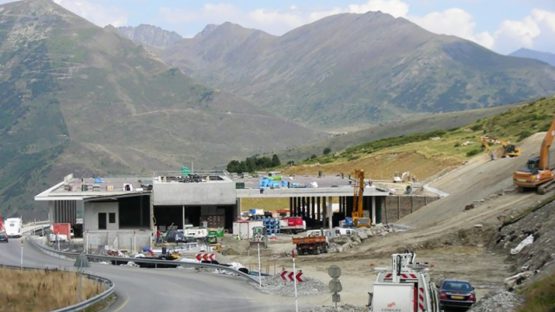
(315, 243)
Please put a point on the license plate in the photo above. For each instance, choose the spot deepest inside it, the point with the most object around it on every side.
(521, 180)
(457, 297)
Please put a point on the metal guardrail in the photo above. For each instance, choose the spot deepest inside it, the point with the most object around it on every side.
(154, 262)
(83, 304)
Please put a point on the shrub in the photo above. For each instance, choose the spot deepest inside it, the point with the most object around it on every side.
(473, 152)
(524, 134)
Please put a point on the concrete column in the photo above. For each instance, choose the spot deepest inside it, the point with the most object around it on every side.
(313, 208)
(318, 210)
(324, 211)
(373, 207)
(303, 207)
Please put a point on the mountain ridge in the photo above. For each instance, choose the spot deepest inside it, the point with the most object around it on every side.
(358, 69)
(83, 99)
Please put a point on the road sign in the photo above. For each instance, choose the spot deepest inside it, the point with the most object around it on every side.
(334, 271)
(205, 257)
(335, 286)
(291, 276)
(336, 298)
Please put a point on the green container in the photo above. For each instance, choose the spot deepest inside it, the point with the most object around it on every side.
(220, 233)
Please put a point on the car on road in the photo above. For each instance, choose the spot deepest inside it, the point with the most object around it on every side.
(3, 237)
(456, 295)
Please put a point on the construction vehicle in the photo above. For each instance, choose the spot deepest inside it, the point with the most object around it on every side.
(486, 145)
(509, 150)
(406, 287)
(315, 242)
(358, 208)
(537, 174)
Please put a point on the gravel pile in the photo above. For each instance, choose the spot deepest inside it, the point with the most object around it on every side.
(340, 308)
(501, 300)
(276, 286)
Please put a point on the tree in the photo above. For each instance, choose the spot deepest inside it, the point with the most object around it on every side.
(327, 150)
(275, 161)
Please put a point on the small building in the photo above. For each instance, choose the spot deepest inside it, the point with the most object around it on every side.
(123, 213)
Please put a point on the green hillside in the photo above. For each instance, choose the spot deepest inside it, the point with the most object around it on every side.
(425, 154)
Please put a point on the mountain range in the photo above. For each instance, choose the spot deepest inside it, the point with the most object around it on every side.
(95, 101)
(352, 70)
(545, 57)
(79, 98)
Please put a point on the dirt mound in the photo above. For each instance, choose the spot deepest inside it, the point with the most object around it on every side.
(473, 183)
(277, 286)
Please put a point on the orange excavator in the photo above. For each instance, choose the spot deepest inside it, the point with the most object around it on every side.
(358, 209)
(537, 174)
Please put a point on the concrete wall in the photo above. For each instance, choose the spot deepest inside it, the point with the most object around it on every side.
(204, 193)
(132, 240)
(91, 215)
(396, 207)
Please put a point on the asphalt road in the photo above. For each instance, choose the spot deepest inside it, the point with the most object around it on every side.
(140, 289)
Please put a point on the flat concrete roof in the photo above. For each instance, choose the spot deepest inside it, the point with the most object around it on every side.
(84, 188)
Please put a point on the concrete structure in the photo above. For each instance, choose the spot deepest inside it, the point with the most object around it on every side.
(123, 213)
(116, 212)
(208, 199)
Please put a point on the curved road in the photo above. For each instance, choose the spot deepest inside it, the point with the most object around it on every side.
(140, 289)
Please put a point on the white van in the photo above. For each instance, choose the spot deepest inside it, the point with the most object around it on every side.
(13, 227)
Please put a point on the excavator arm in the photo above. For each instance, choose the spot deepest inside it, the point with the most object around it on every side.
(546, 144)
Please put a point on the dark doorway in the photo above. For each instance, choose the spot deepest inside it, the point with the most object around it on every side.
(101, 220)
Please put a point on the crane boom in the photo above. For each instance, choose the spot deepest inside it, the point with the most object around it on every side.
(358, 208)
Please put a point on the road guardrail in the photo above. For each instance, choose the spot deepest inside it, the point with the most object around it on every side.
(154, 262)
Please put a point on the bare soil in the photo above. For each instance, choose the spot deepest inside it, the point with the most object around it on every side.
(454, 235)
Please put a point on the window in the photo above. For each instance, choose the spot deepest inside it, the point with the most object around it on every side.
(134, 212)
(101, 220)
(112, 217)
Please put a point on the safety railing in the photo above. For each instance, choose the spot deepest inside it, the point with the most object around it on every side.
(154, 262)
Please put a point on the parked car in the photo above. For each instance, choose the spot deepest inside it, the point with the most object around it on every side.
(3, 237)
(456, 294)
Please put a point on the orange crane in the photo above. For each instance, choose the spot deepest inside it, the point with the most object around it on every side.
(358, 209)
(537, 174)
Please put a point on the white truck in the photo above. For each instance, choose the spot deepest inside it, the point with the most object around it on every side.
(406, 287)
(13, 227)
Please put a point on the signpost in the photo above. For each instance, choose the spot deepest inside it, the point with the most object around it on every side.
(335, 285)
(293, 255)
(80, 263)
(21, 260)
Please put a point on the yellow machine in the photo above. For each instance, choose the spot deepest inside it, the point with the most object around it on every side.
(506, 150)
(509, 150)
(537, 174)
(358, 209)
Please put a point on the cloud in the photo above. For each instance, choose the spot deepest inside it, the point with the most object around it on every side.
(456, 22)
(99, 14)
(534, 31)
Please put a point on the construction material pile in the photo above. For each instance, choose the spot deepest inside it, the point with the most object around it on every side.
(340, 308)
(275, 285)
(345, 242)
(501, 300)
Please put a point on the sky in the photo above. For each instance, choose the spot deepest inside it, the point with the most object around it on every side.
(500, 25)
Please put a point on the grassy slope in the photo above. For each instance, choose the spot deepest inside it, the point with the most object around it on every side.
(427, 154)
(539, 296)
(42, 290)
